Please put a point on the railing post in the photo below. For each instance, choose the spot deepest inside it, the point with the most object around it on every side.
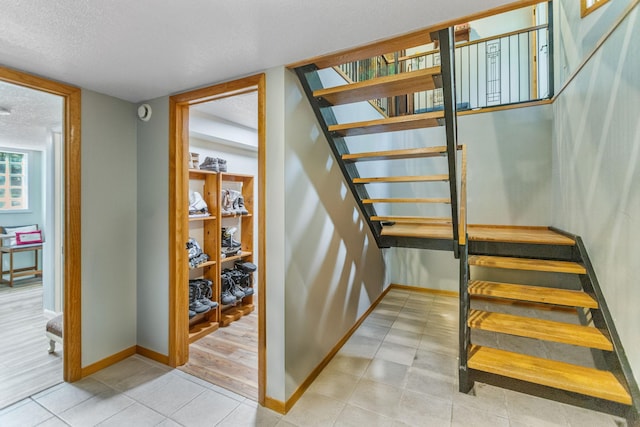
(447, 70)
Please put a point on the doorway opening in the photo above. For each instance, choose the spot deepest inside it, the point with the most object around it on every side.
(217, 286)
(43, 157)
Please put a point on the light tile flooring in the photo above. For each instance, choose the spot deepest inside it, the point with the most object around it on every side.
(398, 369)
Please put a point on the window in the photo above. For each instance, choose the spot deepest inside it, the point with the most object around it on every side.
(588, 6)
(13, 181)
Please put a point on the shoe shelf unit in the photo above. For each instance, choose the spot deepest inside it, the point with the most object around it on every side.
(244, 224)
(207, 230)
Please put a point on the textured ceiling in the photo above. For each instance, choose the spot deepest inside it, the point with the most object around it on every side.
(33, 114)
(241, 109)
(143, 49)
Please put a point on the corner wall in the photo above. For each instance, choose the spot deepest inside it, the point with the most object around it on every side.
(596, 170)
(153, 229)
(108, 226)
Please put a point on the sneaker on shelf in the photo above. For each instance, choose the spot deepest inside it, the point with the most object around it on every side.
(210, 164)
(241, 209)
(227, 237)
(222, 165)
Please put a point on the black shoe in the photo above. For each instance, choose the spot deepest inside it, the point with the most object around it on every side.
(210, 164)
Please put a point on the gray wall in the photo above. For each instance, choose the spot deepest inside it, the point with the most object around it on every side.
(595, 169)
(509, 182)
(108, 226)
(153, 229)
(333, 268)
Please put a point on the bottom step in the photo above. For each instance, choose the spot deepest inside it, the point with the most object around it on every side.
(551, 373)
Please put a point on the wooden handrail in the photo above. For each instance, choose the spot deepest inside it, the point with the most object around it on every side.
(462, 234)
(500, 36)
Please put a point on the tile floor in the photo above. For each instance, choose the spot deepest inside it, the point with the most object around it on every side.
(398, 369)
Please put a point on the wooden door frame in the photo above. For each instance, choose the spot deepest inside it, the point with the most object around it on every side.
(178, 216)
(72, 337)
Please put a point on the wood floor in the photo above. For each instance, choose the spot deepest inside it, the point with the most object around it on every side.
(26, 367)
(228, 357)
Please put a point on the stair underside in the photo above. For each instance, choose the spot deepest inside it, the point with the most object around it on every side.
(392, 179)
(413, 219)
(411, 153)
(560, 375)
(541, 329)
(424, 231)
(537, 294)
(391, 124)
(527, 264)
(407, 200)
(382, 87)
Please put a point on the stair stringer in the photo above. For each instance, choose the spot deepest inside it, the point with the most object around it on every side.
(308, 77)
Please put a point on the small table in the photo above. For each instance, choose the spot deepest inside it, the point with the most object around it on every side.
(33, 270)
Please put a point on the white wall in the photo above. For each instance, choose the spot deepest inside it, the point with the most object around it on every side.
(108, 226)
(333, 268)
(509, 182)
(595, 167)
(153, 229)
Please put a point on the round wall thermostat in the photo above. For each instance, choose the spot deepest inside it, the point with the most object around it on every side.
(144, 112)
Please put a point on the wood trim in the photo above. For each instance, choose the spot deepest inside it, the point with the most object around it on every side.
(153, 355)
(325, 361)
(505, 107)
(108, 361)
(462, 230)
(441, 292)
(415, 38)
(585, 10)
(276, 405)
(503, 35)
(72, 96)
(178, 222)
(262, 245)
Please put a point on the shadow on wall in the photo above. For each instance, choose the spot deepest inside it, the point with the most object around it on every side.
(334, 269)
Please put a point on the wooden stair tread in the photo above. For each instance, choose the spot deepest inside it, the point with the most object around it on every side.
(527, 264)
(529, 293)
(418, 178)
(411, 153)
(391, 124)
(548, 330)
(551, 373)
(412, 219)
(517, 234)
(423, 231)
(407, 200)
(382, 87)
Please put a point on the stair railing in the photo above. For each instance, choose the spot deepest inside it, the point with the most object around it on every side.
(447, 71)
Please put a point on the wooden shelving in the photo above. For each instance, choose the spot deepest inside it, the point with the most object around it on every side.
(208, 230)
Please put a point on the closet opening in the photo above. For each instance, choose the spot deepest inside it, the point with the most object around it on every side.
(217, 218)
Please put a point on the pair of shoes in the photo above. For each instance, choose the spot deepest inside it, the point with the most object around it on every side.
(214, 164)
(195, 305)
(233, 203)
(203, 291)
(226, 297)
(196, 256)
(242, 279)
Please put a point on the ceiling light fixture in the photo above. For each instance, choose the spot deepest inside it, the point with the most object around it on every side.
(5, 111)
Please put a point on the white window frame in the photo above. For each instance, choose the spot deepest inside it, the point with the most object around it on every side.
(24, 186)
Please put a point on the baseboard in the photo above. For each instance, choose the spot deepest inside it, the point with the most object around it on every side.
(314, 374)
(153, 355)
(108, 361)
(441, 292)
(275, 405)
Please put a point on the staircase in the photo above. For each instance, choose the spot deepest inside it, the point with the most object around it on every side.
(488, 308)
